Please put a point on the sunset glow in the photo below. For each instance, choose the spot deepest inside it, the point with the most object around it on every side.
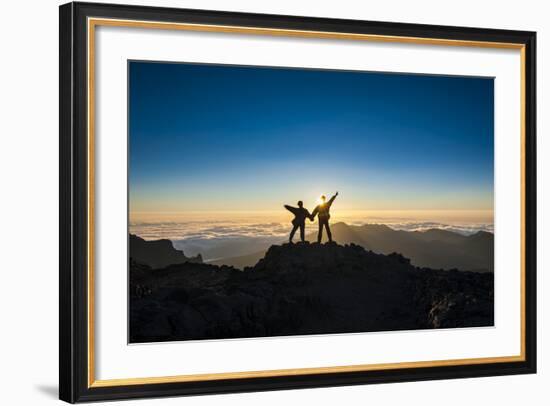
(214, 143)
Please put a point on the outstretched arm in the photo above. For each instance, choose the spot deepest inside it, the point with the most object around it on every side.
(291, 209)
(332, 199)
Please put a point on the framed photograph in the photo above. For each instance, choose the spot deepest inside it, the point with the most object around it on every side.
(256, 202)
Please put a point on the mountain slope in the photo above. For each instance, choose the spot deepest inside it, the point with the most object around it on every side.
(303, 289)
(437, 249)
(158, 253)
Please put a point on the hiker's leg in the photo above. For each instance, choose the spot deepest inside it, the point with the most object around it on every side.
(320, 234)
(294, 228)
(302, 232)
(329, 234)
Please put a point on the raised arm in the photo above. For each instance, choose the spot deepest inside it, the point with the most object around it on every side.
(332, 199)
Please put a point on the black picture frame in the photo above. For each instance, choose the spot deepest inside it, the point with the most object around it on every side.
(74, 385)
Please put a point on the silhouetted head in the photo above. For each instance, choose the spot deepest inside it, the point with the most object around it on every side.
(323, 198)
(300, 204)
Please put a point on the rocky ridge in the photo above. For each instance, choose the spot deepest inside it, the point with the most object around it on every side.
(301, 289)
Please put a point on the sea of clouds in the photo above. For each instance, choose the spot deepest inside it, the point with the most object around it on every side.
(222, 238)
(207, 230)
(237, 229)
(464, 229)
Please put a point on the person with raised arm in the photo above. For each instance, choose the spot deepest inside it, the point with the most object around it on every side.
(323, 213)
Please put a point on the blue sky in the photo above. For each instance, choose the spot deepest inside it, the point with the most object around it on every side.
(214, 137)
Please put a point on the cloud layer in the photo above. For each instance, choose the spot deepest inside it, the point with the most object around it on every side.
(464, 229)
(207, 230)
(204, 230)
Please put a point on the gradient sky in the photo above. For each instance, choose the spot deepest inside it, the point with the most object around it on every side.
(224, 138)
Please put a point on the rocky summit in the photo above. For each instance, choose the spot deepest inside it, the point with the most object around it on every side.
(301, 289)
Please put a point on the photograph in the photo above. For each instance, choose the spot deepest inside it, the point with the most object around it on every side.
(268, 201)
(255, 200)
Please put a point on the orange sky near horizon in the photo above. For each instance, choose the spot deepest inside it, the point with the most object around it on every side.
(443, 216)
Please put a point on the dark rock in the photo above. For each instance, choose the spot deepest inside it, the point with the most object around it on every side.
(304, 289)
(158, 253)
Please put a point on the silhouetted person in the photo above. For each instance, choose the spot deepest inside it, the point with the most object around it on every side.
(323, 212)
(300, 215)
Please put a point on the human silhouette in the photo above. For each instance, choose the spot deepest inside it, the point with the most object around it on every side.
(299, 220)
(323, 213)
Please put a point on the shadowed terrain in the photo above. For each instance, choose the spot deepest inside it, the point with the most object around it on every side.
(158, 253)
(303, 289)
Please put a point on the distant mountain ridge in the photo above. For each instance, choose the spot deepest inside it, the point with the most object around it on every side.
(157, 253)
(303, 289)
(433, 248)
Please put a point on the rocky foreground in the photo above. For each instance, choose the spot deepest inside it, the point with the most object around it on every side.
(303, 289)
